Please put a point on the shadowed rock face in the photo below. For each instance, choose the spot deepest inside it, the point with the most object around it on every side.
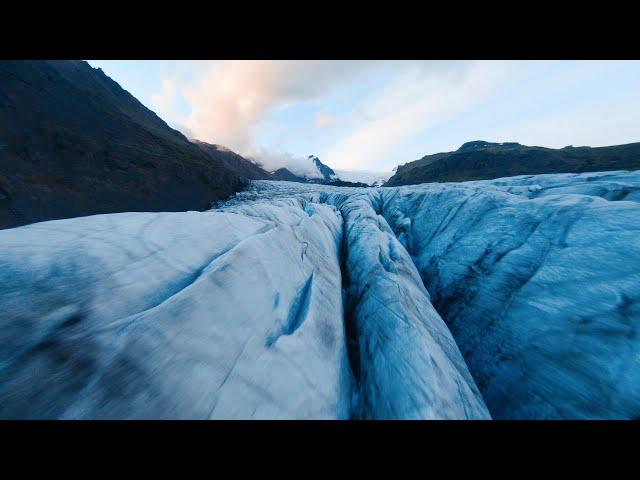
(480, 160)
(234, 162)
(74, 143)
(286, 175)
(326, 171)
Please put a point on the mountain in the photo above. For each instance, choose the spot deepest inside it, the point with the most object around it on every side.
(286, 175)
(235, 163)
(74, 143)
(327, 176)
(480, 160)
(327, 172)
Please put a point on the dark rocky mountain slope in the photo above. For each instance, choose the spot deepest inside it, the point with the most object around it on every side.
(328, 176)
(480, 160)
(287, 175)
(326, 171)
(74, 143)
(236, 163)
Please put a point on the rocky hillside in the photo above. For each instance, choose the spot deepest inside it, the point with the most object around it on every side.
(326, 171)
(484, 160)
(236, 163)
(74, 143)
(327, 176)
(285, 174)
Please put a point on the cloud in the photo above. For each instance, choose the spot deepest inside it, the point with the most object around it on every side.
(272, 160)
(164, 101)
(230, 97)
(608, 120)
(324, 120)
(228, 100)
(422, 97)
(364, 176)
(186, 131)
(371, 115)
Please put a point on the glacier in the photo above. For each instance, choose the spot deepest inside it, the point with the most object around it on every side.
(538, 280)
(507, 298)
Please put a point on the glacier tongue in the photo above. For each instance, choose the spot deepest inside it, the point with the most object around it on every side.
(238, 312)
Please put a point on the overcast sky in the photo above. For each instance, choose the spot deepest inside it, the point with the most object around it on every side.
(374, 115)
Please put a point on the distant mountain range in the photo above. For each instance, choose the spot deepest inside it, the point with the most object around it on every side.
(250, 170)
(481, 160)
(326, 175)
(327, 172)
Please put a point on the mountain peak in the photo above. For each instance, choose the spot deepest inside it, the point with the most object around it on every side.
(326, 171)
(479, 144)
(473, 145)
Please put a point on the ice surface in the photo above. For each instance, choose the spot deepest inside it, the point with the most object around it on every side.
(406, 362)
(541, 291)
(515, 298)
(175, 315)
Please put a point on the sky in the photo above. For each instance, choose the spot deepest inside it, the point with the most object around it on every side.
(375, 115)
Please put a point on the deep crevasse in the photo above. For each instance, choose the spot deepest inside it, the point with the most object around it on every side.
(404, 359)
(407, 363)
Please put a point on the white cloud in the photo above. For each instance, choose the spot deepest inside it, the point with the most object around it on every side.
(374, 115)
(419, 99)
(364, 176)
(272, 160)
(611, 119)
(231, 97)
(164, 101)
(324, 120)
(228, 100)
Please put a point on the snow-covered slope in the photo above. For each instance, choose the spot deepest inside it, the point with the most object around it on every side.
(375, 179)
(515, 298)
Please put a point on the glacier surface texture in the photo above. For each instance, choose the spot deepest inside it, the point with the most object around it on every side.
(509, 298)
